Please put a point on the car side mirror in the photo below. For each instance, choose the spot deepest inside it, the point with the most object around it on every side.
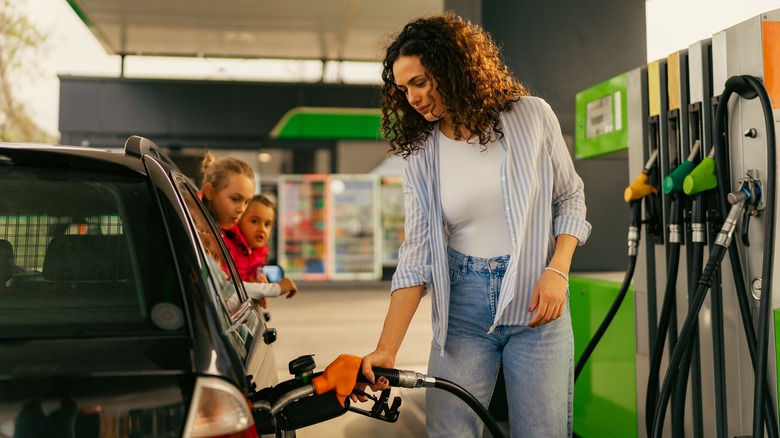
(274, 273)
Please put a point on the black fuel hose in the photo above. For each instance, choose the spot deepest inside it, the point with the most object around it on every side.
(750, 334)
(747, 325)
(766, 269)
(691, 355)
(664, 323)
(712, 206)
(412, 379)
(707, 276)
(473, 403)
(633, 242)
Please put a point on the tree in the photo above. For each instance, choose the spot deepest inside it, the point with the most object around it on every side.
(17, 37)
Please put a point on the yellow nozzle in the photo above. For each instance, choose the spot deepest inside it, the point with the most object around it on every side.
(340, 375)
(639, 188)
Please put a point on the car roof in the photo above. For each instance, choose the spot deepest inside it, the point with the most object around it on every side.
(44, 155)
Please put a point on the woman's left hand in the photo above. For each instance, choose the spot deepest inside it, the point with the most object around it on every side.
(549, 298)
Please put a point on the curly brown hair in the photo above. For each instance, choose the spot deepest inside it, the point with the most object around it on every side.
(475, 95)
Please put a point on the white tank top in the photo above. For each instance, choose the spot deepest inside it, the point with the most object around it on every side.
(471, 200)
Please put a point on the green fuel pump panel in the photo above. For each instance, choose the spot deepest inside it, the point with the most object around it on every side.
(609, 118)
(604, 395)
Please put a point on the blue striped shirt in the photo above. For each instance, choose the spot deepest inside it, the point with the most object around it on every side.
(543, 197)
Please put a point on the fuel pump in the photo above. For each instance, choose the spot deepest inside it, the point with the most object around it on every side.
(705, 223)
(748, 196)
(745, 157)
(677, 291)
(640, 157)
(716, 156)
(662, 264)
(749, 48)
(686, 154)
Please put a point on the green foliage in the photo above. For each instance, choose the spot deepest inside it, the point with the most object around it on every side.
(18, 40)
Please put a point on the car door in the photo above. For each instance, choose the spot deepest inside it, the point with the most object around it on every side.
(245, 329)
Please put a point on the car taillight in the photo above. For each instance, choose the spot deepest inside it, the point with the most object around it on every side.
(219, 410)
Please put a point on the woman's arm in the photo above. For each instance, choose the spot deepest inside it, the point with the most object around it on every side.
(568, 192)
(403, 305)
(411, 276)
(569, 225)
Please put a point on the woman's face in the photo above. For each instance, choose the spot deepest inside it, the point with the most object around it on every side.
(420, 90)
(227, 205)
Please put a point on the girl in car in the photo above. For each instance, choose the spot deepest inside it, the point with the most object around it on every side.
(228, 186)
(256, 225)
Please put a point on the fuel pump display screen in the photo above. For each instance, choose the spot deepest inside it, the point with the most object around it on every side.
(599, 117)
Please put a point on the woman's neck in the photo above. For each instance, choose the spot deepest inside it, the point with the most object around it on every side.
(446, 127)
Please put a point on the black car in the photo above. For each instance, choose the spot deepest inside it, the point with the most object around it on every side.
(116, 317)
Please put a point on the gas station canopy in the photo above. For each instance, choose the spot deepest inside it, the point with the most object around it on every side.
(347, 30)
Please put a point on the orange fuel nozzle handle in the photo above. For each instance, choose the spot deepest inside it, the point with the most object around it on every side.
(639, 188)
(340, 376)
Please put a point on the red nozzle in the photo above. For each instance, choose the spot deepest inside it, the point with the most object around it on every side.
(639, 188)
(340, 375)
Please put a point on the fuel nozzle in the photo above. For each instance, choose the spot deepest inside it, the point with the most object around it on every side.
(702, 177)
(750, 194)
(747, 194)
(342, 375)
(640, 188)
(674, 182)
(749, 191)
(402, 378)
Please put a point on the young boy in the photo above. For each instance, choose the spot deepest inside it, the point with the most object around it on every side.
(256, 225)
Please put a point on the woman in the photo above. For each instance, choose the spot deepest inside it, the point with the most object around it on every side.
(494, 211)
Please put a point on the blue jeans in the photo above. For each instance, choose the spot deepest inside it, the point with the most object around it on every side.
(538, 362)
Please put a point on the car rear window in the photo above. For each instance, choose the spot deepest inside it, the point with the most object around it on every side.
(83, 254)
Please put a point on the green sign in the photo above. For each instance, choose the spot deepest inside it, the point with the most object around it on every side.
(601, 119)
(329, 123)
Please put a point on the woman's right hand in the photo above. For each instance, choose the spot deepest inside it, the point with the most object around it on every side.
(379, 359)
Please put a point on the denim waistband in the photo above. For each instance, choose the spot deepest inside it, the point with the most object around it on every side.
(477, 264)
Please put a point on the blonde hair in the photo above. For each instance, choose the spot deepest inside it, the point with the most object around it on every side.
(217, 170)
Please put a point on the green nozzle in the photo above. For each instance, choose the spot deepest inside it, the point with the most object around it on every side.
(701, 178)
(674, 182)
